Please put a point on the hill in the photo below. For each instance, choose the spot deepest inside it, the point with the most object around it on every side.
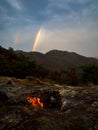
(59, 60)
(16, 64)
(59, 66)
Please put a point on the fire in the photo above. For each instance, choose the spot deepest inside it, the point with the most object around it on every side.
(35, 101)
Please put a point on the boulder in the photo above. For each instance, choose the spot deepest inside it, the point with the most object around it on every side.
(3, 97)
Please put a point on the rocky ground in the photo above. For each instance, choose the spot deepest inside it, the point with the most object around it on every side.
(64, 107)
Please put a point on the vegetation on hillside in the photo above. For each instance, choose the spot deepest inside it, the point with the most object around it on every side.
(89, 73)
(17, 65)
(14, 64)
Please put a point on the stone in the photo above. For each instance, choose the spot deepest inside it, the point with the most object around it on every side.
(65, 108)
(3, 97)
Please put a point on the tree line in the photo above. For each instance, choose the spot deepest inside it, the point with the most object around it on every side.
(14, 64)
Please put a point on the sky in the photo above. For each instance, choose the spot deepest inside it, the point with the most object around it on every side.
(68, 25)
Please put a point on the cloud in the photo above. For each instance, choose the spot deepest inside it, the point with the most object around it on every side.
(67, 25)
(80, 40)
(71, 13)
(6, 18)
(15, 4)
(25, 37)
(3, 10)
(82, 8)
(76, 15)
(62, 4)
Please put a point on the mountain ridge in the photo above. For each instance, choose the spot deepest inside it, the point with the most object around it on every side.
(52, 60)
(59, 60)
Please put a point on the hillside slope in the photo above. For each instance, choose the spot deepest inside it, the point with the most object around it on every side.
(59, 60)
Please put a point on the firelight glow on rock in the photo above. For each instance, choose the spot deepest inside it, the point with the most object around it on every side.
(35, 101)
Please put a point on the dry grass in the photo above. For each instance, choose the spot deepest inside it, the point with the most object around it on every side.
(29, 80)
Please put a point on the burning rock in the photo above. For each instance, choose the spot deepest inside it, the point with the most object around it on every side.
(51, 99)
(46, 98)
(35, 101)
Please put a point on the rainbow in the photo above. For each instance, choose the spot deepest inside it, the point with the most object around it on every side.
(17, 39)
(36, 39)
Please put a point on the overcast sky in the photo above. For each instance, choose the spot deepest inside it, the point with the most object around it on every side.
(70, 25)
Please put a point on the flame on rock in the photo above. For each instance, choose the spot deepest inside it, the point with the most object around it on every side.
(35, 101)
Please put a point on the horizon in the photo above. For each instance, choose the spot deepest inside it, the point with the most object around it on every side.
(50, 51)
(65, 25)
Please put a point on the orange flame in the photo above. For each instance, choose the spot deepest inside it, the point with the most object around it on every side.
(35, 101)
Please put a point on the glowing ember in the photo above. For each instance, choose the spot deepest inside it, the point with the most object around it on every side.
(35, 101)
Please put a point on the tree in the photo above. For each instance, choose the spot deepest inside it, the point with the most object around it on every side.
(89, 73)
(71, 77)
(11, 49)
